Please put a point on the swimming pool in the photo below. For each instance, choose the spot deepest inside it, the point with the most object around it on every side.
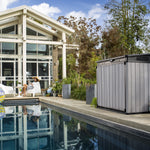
(38, 126)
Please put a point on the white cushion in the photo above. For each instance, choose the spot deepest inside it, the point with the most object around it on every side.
(36, 88)
(7, 89)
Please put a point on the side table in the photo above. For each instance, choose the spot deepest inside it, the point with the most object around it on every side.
(19, 87)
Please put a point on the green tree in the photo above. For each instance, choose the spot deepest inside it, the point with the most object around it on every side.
(87, 36)
(71, 64)
(129, 17)
(111, 43)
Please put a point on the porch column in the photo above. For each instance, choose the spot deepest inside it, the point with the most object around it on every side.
(64, 55)
(65, 136)
(55, 63)
(24, 45)
(19, 52)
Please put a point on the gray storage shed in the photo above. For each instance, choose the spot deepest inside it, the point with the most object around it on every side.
(123, 83)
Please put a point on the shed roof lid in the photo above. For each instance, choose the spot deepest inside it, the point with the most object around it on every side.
(141, 57)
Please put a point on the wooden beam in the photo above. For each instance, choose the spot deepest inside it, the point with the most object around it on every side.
(8, 56)
(45, 42)
(38, 57)
(6, 22)
(64, 56)
(41, 27)
(6, 16)
(39, 30)
(11, 40)
(50, 22)
(8, 25)
(24, 43)
(11, 36)
(32, 37)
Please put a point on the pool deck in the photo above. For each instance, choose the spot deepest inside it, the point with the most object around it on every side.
(140, 122)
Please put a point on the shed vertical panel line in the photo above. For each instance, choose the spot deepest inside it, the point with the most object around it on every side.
(126, 86)
(142, 100)
(101, 86)
(138, 83)
(111, 86)
(113, 89)
(146, 87)
(132, 75)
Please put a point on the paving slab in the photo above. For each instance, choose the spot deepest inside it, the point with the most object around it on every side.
(138, 121)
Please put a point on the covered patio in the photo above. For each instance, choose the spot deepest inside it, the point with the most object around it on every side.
(29, 43)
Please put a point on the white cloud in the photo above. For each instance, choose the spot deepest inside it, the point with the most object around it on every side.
(5, 3)
(77, 14)
(46, 9)
(96, 12)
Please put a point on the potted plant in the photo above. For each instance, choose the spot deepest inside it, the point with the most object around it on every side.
(57, 88)
(54, 88)
(66, 88)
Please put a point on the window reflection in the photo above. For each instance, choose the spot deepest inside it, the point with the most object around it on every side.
(7, 69)
(30, 32)
(43, 69)
(8, 48)
(43, 49)
(9, 30)
(44, 84)
(31, 49)
(31, 69)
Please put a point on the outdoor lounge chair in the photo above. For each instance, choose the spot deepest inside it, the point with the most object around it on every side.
(7, 89)
(35, 90)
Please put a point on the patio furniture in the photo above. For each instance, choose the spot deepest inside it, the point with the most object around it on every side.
(7, 89)
(36, 89)
(19, 88)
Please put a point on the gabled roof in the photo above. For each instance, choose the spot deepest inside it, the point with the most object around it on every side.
(38, 16)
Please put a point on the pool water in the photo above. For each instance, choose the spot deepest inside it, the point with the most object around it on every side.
(38, 127)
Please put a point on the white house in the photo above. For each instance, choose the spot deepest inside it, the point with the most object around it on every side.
(27, 42)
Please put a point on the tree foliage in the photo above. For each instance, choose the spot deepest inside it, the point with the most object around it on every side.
(111, 43)
(87, 36)
(129, 17)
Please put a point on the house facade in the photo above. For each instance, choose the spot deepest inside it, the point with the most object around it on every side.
(29, 44)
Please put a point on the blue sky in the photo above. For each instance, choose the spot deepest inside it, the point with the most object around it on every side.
(55, 8)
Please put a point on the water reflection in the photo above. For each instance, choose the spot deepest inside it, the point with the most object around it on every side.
(32, 127)
(26, 127)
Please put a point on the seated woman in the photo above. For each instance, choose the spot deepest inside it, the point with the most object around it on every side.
(33, 87)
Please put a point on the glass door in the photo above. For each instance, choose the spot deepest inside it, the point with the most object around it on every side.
(9, 73)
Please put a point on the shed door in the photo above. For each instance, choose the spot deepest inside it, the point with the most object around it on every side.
(138, 87)
(111, 86)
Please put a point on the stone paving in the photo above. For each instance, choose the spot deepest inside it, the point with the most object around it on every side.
(139, 121)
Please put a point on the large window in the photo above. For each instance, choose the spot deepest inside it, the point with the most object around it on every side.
(8, 48)
(7, 69)
(9, 30)
(43, 69)
(31, 32)
(31, 49)
(40, 49)
(43, 49)
(31, 69)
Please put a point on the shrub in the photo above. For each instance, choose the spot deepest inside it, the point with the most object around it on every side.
(94, 102)
(79, 92)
